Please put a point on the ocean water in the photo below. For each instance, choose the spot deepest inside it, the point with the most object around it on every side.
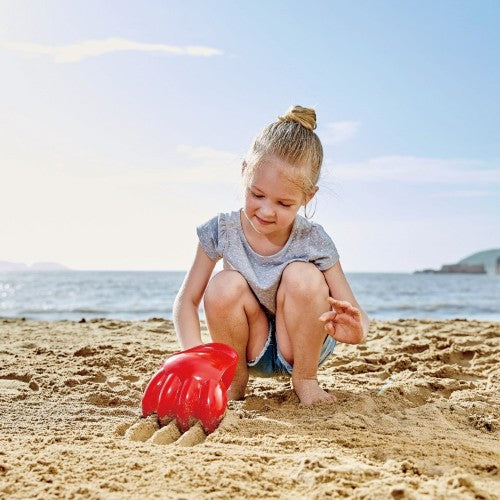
(72, 295)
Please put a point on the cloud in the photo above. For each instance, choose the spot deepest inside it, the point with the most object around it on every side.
(94, 48)
(207, 165)
(184, 165)
(191, 165)
(415, 170)
(339, 132)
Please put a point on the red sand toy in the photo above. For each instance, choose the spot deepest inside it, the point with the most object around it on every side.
(192, 384)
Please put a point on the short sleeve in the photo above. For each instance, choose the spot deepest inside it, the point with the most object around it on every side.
(208, 234)
(323, 252)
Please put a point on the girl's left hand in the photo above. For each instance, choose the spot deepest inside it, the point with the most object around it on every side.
(343, 322)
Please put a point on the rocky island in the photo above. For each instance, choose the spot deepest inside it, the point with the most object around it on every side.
(485, 262)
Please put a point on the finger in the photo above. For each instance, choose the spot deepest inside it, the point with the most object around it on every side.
(350, 317)
(339, 303)
(342, 305)
(356, 314)
(329, 328)
(353, 312)
(328, 316)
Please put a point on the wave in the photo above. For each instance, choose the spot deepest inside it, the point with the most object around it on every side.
(437, 307)
(58, 310)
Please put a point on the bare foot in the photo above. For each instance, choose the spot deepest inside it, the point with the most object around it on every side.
(309, 392)
(235, 393)
(236, 390)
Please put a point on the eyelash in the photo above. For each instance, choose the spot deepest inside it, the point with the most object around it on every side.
(259, 196)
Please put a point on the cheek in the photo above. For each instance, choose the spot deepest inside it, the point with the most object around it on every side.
(288, 214)
(250, 203)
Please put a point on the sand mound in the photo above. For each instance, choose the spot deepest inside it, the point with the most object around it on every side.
(417, 415)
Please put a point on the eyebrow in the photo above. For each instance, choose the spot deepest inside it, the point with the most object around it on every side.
(288, 200)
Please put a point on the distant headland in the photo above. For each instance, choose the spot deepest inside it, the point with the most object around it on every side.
(36, 266)
(485, 262)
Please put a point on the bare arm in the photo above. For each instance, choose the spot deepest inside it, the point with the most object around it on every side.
(187, 302)
(347, 322)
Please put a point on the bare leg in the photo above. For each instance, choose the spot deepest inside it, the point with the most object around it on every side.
(235, 318)
(302, 298)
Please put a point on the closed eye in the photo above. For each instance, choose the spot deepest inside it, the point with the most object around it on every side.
(282, 203)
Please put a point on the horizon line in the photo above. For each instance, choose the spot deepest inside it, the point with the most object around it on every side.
(169, 271)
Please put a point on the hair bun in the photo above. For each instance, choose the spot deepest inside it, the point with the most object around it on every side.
(304, 116)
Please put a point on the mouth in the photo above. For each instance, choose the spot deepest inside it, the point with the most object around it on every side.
(262, 221)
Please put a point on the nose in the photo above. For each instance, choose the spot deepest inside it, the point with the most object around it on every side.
(267, 210)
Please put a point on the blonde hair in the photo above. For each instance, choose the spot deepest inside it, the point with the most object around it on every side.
(291, 138)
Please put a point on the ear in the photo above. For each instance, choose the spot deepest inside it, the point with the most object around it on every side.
(311, 195)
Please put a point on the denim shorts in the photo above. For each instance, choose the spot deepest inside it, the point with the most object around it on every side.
(270, 361)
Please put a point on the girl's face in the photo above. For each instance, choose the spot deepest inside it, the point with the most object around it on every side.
(272, 200)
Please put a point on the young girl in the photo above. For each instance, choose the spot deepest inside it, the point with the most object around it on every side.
(282, 300)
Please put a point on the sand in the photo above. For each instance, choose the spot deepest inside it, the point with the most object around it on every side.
(417, 417)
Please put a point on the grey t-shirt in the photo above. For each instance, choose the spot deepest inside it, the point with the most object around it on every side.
(223, 237)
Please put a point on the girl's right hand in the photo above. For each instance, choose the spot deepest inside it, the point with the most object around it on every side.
(343, 322)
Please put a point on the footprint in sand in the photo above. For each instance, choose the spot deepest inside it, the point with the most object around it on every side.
(148, 430)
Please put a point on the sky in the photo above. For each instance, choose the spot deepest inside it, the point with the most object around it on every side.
(123, 125)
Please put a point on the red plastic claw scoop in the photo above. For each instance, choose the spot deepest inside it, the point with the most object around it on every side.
(192, 383)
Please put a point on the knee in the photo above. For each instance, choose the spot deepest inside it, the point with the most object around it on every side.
(224, 290)
(302, 279)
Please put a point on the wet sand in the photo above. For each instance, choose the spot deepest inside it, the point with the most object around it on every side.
(417, 417)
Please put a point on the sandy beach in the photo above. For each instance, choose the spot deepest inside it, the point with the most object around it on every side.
(417, 416)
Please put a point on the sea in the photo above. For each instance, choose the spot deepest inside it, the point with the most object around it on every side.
(138, 295)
